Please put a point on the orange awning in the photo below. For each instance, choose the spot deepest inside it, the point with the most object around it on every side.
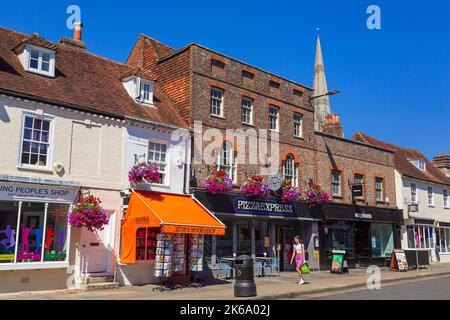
(173, 213)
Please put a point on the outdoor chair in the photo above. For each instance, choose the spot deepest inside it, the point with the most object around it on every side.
(258, 268)
(225, 268)
(272, 267)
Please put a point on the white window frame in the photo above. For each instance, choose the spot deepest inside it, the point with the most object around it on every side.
(247, 106)
(230, 154)
(379, 188)
(362, 182)
(42, 264)
(48, 166)
(446, 199)
(413, 189)
(290, 169)
(275, 116)
(41, 51)
(334, 183)
(165, 173)
(421, 165)
(145, 97)
(298, 125)
(219, 100)
(430, 196)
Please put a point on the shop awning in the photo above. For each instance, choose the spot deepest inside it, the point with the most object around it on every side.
(173, 213)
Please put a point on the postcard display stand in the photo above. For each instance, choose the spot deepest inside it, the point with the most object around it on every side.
(196, 258)
(163, 260)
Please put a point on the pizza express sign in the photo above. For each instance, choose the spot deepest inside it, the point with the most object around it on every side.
(269, 207)
(14, 191)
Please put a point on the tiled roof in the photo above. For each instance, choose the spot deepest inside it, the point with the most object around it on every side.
(82, 80)
(402, 157)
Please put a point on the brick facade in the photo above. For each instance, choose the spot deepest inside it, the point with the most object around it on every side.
(187, 76)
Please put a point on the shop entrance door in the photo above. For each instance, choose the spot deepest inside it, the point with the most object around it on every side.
(94, 253)
(362, 243)
(285, 236)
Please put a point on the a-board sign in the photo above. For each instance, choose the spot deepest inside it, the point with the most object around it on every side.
(337, 261)
(398, 260)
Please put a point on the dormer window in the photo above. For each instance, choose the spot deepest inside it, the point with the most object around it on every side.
(419, 164)
(39, 60)
(138, 88)
(146, 92)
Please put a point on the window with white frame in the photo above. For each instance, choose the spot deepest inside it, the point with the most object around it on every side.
(157, 154)
(226, 160)
(290, 170)
(336, 183)
(420, 236)
(430, 196)
(40, 60)
(298, 125)
(421, 164)
(413, 193)
(247, 110)
(146, 92)
(35, 142)
(379, 189)
(444, 238)
(217, 102)
(446, 200)
(273, 118)
(359, 180)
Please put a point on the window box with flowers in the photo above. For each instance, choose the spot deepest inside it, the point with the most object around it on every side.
(256, 186)
(88, 214)
(218, 181)
(289, 193)
(314, 195)
(144, 173)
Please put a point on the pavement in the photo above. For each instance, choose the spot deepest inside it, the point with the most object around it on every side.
(281, 287)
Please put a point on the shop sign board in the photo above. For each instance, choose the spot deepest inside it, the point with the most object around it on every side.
(267, 207)
(337, 261)
(363, 215)
(398, 260)
(15, 192)
(357, 190)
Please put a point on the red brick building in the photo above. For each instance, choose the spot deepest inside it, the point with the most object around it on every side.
(224, 93)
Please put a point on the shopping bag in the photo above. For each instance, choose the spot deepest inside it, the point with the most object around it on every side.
(304, 268)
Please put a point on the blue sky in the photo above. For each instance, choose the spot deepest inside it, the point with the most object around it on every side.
(394, 82)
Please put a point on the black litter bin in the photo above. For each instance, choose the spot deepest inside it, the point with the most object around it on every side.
(244, 285)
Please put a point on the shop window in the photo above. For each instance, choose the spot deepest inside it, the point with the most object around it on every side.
(290, 170)
(35, 142)
(420, 237)
(31, 232)
(146, 243)
(56, 232)
(262, 242)
(226, 160)
(244, 238)
(381, 239)
(444, 239)
(224, 244)
(157, 154)
(8, 230)
(411, 236)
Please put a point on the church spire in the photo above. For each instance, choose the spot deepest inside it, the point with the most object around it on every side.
(322, 104)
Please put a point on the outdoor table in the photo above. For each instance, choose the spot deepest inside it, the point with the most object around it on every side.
(232, 260)
(264, 261)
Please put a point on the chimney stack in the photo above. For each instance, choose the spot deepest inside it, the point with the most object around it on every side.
(333, 126)
(442, 162)
(77, 31)
(77, 41)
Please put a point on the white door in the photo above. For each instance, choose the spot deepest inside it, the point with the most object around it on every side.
(94, 251)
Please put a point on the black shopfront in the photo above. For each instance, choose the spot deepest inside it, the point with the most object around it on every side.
(367, 234)
(260, 227)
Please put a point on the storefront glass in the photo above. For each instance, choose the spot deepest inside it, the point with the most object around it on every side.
(262, 241)
(8, 229)
(444, 239)
(382, 239)
(420, 237)
(224, 244)
(244, 243)
(340, 236)
(42, 228)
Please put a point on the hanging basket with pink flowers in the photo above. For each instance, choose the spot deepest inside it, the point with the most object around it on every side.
(144, 172)
(88, 214)
(256, 186)
(289, 193)
(314, 195)
(218, 181)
